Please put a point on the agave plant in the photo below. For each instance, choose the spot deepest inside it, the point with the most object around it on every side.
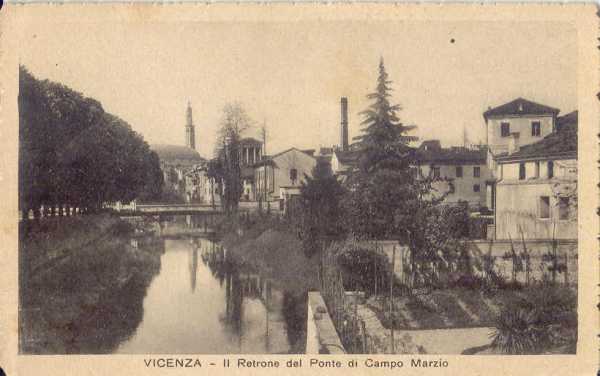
(518, 332)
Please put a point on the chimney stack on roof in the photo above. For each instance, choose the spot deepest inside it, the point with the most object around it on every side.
(513, 143)
(344, 124)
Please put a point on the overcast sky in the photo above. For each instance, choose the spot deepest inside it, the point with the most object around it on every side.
(291, 75)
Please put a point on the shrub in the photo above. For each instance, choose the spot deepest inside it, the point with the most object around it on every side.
(518, 332)
(541, 318)
(362, 264)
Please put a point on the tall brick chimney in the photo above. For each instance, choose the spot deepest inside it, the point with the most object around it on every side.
(344, 124)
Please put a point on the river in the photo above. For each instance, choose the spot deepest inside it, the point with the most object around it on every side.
(195, 302)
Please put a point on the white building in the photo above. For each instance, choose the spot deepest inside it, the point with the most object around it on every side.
(536, 185)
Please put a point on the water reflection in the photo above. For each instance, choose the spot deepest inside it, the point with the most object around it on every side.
(201, 302)
(87, 303)
(173, 291)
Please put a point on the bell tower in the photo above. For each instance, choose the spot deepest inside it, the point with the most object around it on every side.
(190, 134)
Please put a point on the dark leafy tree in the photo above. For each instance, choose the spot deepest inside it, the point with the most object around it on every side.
(234, 122)
(215, 173)
(71, 152)
(321, 214)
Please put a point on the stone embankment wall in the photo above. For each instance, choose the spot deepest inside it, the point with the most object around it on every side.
(321, 336)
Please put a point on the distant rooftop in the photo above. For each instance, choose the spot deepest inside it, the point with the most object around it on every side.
(176, 152)
(250, 141)
(325, 151)
(347, 156)
(432, 152)
(520, 106)
(268, 159)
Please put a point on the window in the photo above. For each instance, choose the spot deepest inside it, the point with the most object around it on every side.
(563, 208)
(536, 129)
(544, 207)
(550, 169)
(476, 188)
(451, 188)
(459, 171)
(293, 175)
(476, 171)
(536, 171)
(436, 172)
(504, 129)
(522, 171)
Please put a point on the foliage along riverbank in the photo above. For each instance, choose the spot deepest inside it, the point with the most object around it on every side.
(267, 245)
(82, 283)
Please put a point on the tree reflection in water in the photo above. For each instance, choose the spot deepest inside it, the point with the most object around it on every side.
(243, 283)
(91, 301)
(97, 300)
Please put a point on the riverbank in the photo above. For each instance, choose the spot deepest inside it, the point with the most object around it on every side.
(266, 244)
(82, 283)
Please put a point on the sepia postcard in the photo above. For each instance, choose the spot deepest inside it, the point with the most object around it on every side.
(340, 188)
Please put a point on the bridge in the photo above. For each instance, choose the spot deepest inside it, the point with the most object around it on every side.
(168, 209)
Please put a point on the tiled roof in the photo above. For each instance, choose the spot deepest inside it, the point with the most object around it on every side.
(570, 118)
(325, 151)
(176, 152)
(346, 156)
(250, 141)
(562, 143)
(451, 155)
(520, 106)
(268, 159)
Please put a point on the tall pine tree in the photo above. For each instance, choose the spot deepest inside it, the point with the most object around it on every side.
(384, 139)
(388, 198)
(381, 185)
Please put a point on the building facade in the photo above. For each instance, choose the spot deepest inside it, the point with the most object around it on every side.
(536, 186)
(283, 170)
(520, 121)
(462, 171)
(511, 125)
(250, 153)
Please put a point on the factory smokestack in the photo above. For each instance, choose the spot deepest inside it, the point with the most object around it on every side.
(344, 124)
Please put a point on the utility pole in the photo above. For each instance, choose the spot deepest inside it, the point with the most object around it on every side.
(392, 299)
(264, 153)
(354, 324)
(526, 253)
(554, 254)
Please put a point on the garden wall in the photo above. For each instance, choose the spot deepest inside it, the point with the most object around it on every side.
(540, 258)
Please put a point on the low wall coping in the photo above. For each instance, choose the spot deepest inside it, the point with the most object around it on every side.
(326, 333)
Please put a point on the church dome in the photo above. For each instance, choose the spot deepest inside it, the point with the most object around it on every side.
(177, 154)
